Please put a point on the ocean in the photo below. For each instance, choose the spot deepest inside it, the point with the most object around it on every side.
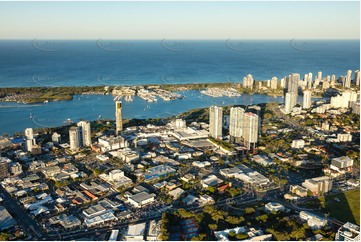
(51, 63)
(126, 62)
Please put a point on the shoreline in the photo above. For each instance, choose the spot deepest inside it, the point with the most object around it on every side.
(49, 94)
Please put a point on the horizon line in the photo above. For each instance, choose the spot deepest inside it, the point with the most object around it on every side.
(1, 39)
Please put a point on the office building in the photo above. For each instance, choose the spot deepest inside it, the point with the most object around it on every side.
(250, 130)
(85, 134)
(318, 185)
(236, 124)
(341, 164)
(118, 116)
(215, 122)
(307, 99)
(348, 232)
(313, 221)
(29, 139)
(74, 137)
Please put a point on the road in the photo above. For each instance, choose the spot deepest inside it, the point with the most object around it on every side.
(21, 215)
(81, 232)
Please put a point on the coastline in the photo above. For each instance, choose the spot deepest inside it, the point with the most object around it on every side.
(49, 94)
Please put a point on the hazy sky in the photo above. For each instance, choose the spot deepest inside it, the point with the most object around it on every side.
(179, 20)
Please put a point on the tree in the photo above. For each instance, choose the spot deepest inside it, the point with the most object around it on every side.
(97, 171)
(241, 236)
(213, 227)
(232, 220)
(208, 209)
(262, 218)
(249, 210)
(211, 189)
(216, 215)
(231, 233)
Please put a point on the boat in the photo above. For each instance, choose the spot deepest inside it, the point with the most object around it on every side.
(30, 116)
(68, 121)
(46, 101)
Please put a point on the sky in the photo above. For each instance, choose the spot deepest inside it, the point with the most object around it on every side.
(179, 20)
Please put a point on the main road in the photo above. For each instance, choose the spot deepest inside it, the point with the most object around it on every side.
(21, 216)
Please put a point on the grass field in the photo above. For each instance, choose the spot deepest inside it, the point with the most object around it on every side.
(347, 209)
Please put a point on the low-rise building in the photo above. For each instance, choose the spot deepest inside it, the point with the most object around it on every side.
(298, 190)
(158, 172)
(111, 143)
(200, 164)
(6, 220)
(348, 232)
(176, 193)
(135, 232)
(154, 230)
(318, 185)
(210, 180)
(274, 207)
(314, 221)
(141, 199)
(298, 144)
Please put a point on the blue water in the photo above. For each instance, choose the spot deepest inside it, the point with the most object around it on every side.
(89, 107)
(112, 62)
(105, 62)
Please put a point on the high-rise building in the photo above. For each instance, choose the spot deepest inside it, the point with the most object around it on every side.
(56, 138)
(333, 78)
(274, 83)
(29, 139)
(357, 78)
(85, 136)
(118, 116)
(236, 124)
(319, 75)
(74, 137)
(347, 79)
(215, 122)
(307, 99)
(250, 130)
(292, 85)
(248, 81)
(344, 100)
(290, 101)
(283, 82)
(4, 171)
